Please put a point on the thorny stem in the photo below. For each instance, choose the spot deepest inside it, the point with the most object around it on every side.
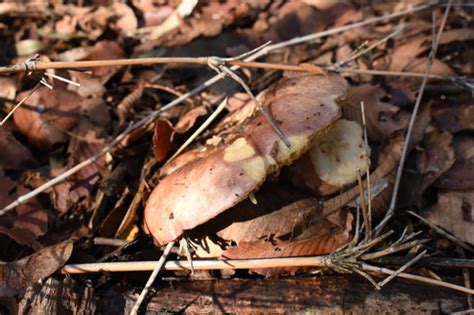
(153, 115)
(411, 124)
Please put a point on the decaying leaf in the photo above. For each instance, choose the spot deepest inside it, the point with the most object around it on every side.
(18, 275)
(454, 118)
(382, 118)
(165, 132)
(461, 173)
(320, 243)
(303, 107)
(455, 213)
(47, 116)
(14, 155)
(334, 159)
(31, 219)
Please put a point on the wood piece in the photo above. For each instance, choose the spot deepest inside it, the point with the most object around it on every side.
(333, 294)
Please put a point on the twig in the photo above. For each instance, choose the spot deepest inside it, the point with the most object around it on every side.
(411, 124)
(23, 100)
(363, 207)
(404, 275)
(402, 268)
(350, 58)
(428, 262)
(153, 115)
(267, 116)
(110, 241)
(393, 249)
(367, 174)
(152, 278)
(315, 261)
(201, 128)
(442, 232)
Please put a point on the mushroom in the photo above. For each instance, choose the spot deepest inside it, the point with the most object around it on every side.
(334, 159)
(304, 107)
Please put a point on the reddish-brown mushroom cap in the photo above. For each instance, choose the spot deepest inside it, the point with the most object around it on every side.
(200, 190)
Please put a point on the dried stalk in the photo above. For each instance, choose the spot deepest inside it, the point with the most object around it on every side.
(398, 176)
(326, 261)
(152, 278)
(442, 232)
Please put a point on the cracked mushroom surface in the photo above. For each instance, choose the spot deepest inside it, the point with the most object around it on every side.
(304, 107)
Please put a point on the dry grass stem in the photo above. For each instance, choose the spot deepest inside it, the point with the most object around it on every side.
(442, 232)
(201, 128)
(152, 278)
(404, 275)
(402, 268)
(411, 124)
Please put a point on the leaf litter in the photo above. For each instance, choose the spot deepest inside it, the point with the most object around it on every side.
(232, 194)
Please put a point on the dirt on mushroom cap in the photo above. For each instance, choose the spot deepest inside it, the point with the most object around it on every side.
(200, 190)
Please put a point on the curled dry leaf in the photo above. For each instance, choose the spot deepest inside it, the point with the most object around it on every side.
(382, 118)
(18, 275)
(164, 134)
(47, 116)
(334, 159)
(303, 107)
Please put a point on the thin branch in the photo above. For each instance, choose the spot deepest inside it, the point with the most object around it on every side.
(153, 115)
(21, 102)
(201, 128)
(110, 241)
(152, 278)
(359, 53)
(411, 124)
(404, 275)
(442, 232)
(402, 268)
(315, 261)
(393, 249)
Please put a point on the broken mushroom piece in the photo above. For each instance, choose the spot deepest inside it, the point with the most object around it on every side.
(304, 107)
(334, 159)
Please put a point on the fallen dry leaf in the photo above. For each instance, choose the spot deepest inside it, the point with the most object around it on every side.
(326, 240)
(165, 132)
(454, 212)
(47, 115)
(436, 158)
(461, 174)
(14, 155)
(31, 219)
(382, 118)
(203, 188)
(18, 275)
(454, 118)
